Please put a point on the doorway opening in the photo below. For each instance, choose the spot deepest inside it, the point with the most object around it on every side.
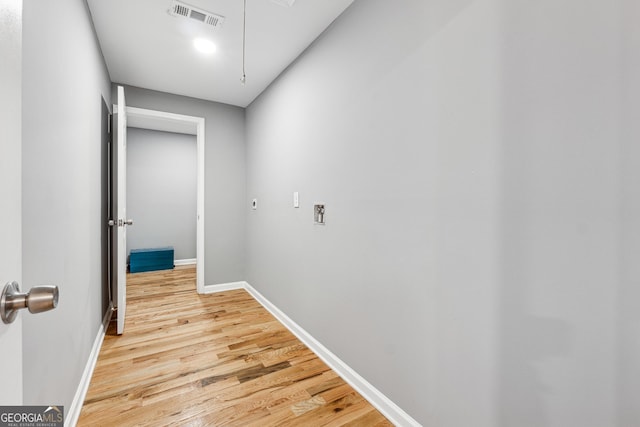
(190, 125)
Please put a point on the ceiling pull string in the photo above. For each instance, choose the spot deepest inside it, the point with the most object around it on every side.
(243, 79)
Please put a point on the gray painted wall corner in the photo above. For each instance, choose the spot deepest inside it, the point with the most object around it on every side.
(225, 181)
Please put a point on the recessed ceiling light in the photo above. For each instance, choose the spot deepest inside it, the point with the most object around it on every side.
(204, 45)
(287, 3)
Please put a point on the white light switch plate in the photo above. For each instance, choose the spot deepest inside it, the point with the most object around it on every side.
(296, 200)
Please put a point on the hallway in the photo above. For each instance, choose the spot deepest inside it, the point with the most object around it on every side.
(218, 359)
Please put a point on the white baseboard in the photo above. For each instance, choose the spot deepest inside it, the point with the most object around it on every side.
(212, 289)
(382, 403)
(188, 261)
(71, 417)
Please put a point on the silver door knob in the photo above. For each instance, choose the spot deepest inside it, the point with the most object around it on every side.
(38, 299)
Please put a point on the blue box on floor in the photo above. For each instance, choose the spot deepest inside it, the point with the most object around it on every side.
(150, 259)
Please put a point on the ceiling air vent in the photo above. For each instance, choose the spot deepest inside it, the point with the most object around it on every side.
(184, 10)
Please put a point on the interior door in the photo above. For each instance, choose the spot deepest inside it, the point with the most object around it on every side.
(10, 192)
(119, 206)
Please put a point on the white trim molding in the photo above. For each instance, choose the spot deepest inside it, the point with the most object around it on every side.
(382, 403)
(188, 261)
(212, 289)
(71, 417)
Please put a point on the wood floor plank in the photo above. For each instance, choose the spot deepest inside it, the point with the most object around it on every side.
(219, 359)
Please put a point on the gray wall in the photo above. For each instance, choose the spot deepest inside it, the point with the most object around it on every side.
(467, 153)
(224, 177)
(629, 292)
(64, 80)
(161, 191)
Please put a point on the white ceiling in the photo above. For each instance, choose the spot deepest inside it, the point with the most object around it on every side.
(144, 46)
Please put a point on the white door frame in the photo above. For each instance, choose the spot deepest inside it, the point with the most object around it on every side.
(191, 125)
(11, 389)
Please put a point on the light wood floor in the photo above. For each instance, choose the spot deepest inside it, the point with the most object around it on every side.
(219, 360)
